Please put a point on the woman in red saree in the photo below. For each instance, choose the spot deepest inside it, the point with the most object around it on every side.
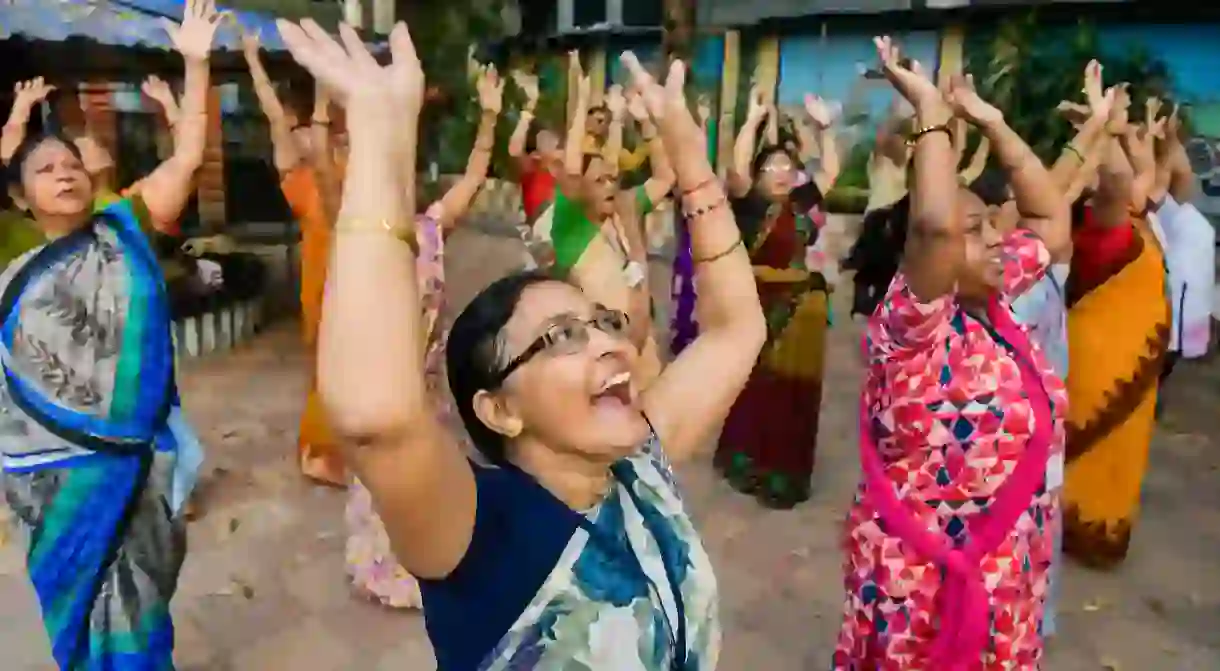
(768, 442)
(949, 540)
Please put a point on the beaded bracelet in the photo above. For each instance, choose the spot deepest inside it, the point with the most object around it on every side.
(720, 255)
(704, 210)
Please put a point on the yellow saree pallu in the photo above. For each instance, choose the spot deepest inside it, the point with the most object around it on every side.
(1118, 333)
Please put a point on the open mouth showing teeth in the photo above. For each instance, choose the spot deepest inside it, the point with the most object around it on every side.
(617, 388)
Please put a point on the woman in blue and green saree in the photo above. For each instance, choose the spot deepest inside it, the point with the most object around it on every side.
(92, 430)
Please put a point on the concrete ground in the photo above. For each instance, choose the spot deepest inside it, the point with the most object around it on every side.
(264, 589)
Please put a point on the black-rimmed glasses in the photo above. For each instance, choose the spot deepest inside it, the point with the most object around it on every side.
(568, 336)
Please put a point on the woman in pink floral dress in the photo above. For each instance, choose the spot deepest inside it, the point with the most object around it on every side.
(949, 538)
(371, 565)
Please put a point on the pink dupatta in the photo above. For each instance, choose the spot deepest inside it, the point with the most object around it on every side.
(962, 601)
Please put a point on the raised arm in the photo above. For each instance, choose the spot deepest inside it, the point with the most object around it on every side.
(830, 165)
(692, 396)
(616, 105)
(26, 96)
(1139, 141)
(1181, 175)
(1038, 199)
(285, 153)
(935, 246)
(168, 188)
(322, 158)
(661, 182)
(739, 179)
(528, 84)
(573, 150)
(370, 362)
(457, 199)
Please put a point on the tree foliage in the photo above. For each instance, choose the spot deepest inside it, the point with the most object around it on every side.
(1026, 69)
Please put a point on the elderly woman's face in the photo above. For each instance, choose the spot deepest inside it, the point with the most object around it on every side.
(983, 273)
(777, 175)
(54, 182)
(571, 386)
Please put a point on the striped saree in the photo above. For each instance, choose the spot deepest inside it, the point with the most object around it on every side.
(91, 432)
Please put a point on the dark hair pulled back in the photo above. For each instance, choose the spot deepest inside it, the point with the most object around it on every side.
(474, 351)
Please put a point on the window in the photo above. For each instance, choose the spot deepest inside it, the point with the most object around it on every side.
(588, 13)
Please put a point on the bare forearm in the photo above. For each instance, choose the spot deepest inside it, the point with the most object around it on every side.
(13, 134)
(1036, 194)
(517, 141)
(190, 133)
(978, 162)
(1112, 201)
(743, 155)
(831, 164)
(613, 149)
(574, 148)
(1077, 151)
(268, 101)
(369, 364)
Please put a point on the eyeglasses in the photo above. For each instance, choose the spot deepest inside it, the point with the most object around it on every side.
(568, 336)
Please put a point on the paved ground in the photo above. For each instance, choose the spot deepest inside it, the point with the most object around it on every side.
(263, 588)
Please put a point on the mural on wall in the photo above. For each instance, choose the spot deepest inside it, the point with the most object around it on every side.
(1191, 53)
(838, 68)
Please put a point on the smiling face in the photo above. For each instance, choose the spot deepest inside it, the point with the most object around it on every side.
(982, 274)
(568, 384)
(601, 186)
(55, 187)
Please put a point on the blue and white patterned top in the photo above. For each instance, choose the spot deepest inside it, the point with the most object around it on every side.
(1044, 311)
(544, 587)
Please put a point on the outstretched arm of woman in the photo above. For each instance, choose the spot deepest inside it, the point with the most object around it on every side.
(168, 188)
(1038, 199)
(456, 201)
(285, 154)
(574, 146)
(517, 141)
(26, 96)
(739, 179)
(823, 120)
(1137, 142)
(370, 362)
(935, 247)
(692, 396)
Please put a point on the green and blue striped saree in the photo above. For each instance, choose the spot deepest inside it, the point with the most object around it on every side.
(91, 433)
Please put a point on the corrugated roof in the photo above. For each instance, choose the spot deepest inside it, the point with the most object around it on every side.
(119, 23)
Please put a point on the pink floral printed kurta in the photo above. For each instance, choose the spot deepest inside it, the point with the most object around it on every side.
(953, 422)
(370, 563)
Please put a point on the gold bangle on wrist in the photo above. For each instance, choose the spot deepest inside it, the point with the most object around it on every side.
(400, 231)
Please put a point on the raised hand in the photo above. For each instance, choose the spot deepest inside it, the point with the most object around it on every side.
(28, 94)
(665, 104)
(1094, 91)
(250, 42)
(819, 112)
(703, 108)
(351, 73)
(965, 102)
(635, 106)
(157, 89)
(909, 79)
(1121, 109)
(758, 109)
(490, 88)
(615, 102)
(193, 37)
(528, 83)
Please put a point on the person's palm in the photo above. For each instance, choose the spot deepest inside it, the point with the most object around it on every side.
(665, 104)
(351, 73)
(491, 90)
(155, 88)
(909, 79)
(32, 92)
(965, 102)
(193, 37)
(528, 83)
(818, 111)
(615, 102)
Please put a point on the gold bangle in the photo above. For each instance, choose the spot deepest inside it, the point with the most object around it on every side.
(401, 231)
(937, 128)
(719, 255)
